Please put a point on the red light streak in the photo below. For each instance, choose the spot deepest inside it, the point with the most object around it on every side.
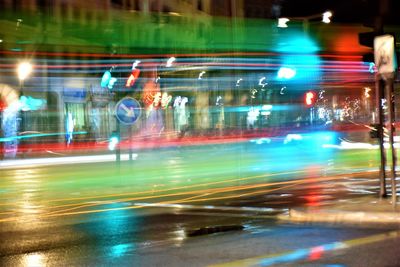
(134, 56)
(316, 253)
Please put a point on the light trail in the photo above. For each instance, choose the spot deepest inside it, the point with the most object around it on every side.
(309, 253)
(27, 136)
(177, 188)
(62, 160)
(205, 191)
(125, 67)
(141, 56)
(288, 184)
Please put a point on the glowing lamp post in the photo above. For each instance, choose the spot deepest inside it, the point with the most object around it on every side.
(24, 69)
(325, 18)
(310, 98)
(286, 73)
(170, 61)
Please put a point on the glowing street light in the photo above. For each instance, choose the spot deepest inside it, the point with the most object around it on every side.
(366, 92)
(170, 61)
(134, 65)
(282, 22)
(262, 83)
(201, 74)
(326, 17)
(286, 73)
(24, 69)
(310, 98)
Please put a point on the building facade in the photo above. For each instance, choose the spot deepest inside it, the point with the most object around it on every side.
(73, 43)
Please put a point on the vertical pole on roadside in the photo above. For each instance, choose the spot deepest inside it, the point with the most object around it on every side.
(118, 148)
(390, 100)
(118, 130)
(130, 142)
(379, 87)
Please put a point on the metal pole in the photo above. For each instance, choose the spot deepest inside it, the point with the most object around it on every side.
(118, 130)
(130, 143)
(390, 101)
(382, 175)
(118, 148)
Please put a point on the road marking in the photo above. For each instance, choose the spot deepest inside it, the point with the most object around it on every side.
(313, 253)
(207, 207)
(34, 162)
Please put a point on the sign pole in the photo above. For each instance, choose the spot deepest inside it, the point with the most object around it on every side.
(118, 148)
(390, 101)
(127, 112)
(130, 143)
(379, 97)
(386, 64)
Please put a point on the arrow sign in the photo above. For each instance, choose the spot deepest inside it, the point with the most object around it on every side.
(128, 110)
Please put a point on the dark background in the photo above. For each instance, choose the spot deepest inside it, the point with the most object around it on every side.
(356, 11)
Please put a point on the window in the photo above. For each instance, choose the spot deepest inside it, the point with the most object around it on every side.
(200, 5)
(117, 3)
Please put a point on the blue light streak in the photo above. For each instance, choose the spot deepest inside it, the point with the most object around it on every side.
(301, 254)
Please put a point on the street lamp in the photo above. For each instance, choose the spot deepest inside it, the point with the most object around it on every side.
(325, 18)
(24, 69)
(282, 22)
(170, 61)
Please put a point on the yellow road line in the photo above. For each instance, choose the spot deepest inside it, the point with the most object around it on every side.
(174, 188)
(288, 184)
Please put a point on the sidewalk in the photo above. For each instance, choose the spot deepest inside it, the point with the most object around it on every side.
(369, 209)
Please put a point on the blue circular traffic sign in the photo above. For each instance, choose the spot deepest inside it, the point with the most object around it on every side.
(128, 110)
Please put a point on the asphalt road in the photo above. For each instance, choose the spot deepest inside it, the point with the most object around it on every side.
(146, 212)
(161, 239)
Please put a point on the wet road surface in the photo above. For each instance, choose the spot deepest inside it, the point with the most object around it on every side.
(142, 213)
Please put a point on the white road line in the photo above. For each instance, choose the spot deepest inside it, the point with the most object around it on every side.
(7, 164)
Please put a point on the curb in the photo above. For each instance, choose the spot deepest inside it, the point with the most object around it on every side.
(339, 216)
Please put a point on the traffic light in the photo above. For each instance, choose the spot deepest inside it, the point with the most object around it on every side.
(367, 38)
(310, 97)
(107, 80)
(132, 78)
(375, 131)
(374, 16)
(368, 58)
(114, 140)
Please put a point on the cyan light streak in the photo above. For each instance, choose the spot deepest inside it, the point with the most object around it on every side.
(259, 107)
(120, 250)
(300, 150)
(27, 136)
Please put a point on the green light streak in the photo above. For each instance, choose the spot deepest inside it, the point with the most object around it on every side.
(152, 33)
